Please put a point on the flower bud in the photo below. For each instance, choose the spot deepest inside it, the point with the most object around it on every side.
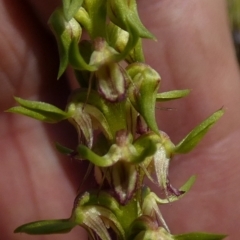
(145, 82)
(64, 31)
(124, 14)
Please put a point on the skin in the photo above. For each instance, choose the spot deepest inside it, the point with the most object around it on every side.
(194, 50)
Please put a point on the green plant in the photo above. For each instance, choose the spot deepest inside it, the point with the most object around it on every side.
(125, 151)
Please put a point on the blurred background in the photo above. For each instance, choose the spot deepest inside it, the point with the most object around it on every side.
(234, 15)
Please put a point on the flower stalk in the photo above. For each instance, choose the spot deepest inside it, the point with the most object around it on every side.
(119, 104)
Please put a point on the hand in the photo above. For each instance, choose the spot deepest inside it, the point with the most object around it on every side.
(36, 182)
(194, 51)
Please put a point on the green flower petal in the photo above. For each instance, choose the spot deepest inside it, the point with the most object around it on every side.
(124, 14)
(199, 236)
(97, 12)
(196, 135)
(76, 60)
(109, 110)
(143, 91)
(39, 110)
(124, 151)
(64, 32)
(172, 198)
(118, 39)
(46, 227)
(70, 7)
(172, 95)
(93, 212)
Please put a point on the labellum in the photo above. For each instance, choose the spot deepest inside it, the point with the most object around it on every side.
(111, 78)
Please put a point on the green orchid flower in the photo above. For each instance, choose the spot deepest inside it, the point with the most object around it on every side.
(124, 14)
(118, 39)
(145, 82)
(111, 78)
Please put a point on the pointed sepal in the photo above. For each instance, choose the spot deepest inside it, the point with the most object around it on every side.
(196, 135)
(97, 13)
(124, 14)
(200, 236)
(150, 202)
(172, 95)
(47, 227)
(143, 91)
(39, 110)
(64, 31)
(76, 59)
(70, 7)
(118, 39)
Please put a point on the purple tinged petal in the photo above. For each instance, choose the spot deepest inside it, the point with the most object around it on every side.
(124, 179)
